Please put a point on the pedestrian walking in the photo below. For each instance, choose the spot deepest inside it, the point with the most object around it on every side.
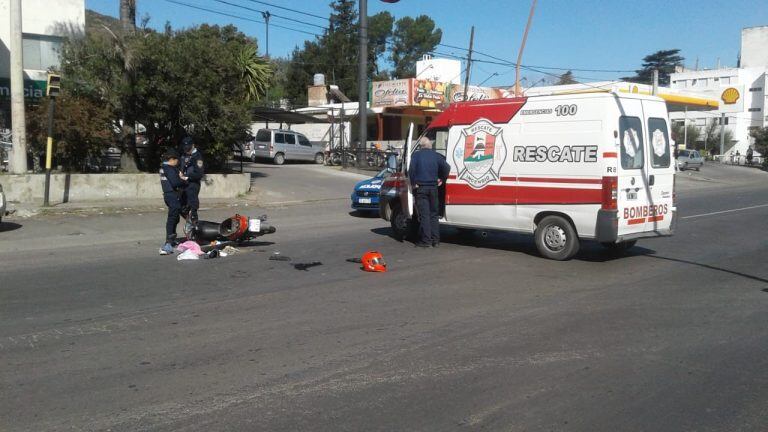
(192, 167)
(428, 171)
(750, 155)
(172, 182)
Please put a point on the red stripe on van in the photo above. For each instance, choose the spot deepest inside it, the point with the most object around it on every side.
(656, 218)
(460, 194)
(546, 179)
(560, 180)
(636, 221)
(610, 155)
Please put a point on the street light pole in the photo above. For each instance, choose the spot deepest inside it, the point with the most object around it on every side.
(362, 75)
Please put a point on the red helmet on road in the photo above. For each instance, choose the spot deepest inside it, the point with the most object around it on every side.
(373, 262)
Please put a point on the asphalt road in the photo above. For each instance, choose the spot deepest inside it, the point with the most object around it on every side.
(97, 332)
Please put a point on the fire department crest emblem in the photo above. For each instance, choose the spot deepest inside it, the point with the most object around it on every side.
(479, 153)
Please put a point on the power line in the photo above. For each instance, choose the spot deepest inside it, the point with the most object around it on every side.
(239, 17)
(289, 9)
(272, 14)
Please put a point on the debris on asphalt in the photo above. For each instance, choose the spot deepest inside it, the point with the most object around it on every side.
(190, 245)
(229, 250)
(355, 260)
(187, 255)
(307, 266)
(277, 257)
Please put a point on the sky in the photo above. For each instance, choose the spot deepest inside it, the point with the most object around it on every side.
(609, 35)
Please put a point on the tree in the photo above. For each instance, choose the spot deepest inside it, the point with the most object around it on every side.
(712, 132)
(128, 160)
(83, 129)
(679, 135)
(566, 78)
(379, 31)
(665, 61)
(760, 136)
(412, 39)
(256, 72)
(209, 95)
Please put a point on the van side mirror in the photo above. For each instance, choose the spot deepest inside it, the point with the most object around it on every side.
(392, 162)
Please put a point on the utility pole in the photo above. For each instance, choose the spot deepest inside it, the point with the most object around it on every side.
(266, 16)
(19, 157)
(469, 64)
(685, 128)
(722, 133)
(522, 47)
(362, 75)
(655, 87)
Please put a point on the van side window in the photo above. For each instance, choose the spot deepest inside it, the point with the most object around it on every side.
(290, 139)
(439, 138)
(631, 136)
(263, 135)
(659, 139)
(279, 138)
(304, 141)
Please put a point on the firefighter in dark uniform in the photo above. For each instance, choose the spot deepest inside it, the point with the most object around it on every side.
(193, 168)
(427, 172)
(172, 182)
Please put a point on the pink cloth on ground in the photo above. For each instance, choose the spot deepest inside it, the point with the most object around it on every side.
(190, 245)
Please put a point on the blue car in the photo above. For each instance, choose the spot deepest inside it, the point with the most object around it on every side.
(365, 197)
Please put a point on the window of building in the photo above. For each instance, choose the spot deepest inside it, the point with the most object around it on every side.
(755, 110)
(694, 82)
(703, 82)
(756, 89)
(41, 52)
(725, 80)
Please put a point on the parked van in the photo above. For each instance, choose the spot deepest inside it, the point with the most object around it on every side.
(280, 145)
(592, 166)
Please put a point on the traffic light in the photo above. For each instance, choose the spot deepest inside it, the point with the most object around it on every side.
(54, 85)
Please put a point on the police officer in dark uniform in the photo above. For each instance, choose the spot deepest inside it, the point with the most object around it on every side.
(193, 168)
(427, 172)
(172, 183)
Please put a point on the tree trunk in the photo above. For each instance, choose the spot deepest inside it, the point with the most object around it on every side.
(129, 155)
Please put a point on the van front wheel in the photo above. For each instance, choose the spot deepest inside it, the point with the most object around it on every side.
(279, 159)
(556, 238)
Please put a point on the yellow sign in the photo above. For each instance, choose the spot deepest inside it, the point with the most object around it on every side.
(730, 96)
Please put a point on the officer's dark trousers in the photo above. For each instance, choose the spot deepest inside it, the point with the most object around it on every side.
(191, 201)
(428, 207)
(173, 202)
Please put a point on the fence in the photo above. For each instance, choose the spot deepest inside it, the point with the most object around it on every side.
(373, 158)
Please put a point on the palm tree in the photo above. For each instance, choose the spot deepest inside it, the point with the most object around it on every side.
(256, 72)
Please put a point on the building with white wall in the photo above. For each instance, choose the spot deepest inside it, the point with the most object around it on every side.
(44, 23)
(740, 90)
(439, 70)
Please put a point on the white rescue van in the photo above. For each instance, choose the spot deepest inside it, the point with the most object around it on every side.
(595, 166)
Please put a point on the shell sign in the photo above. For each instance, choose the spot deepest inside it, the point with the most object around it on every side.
(730, 96)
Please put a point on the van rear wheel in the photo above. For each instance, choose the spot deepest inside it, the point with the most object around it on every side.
(556, 238)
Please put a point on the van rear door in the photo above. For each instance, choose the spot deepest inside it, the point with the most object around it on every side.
(660, 168)
(633, 187)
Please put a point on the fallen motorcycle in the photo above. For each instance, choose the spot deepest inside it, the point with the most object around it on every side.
(234, 230)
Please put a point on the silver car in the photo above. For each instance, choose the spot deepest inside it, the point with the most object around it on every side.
(280, 145)
(687, 159)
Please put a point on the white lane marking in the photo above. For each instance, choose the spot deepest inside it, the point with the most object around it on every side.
(724, 211)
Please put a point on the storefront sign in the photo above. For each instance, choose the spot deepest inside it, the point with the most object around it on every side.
(476, 93)
(33, 90)
(391, 93)
(431, 94)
